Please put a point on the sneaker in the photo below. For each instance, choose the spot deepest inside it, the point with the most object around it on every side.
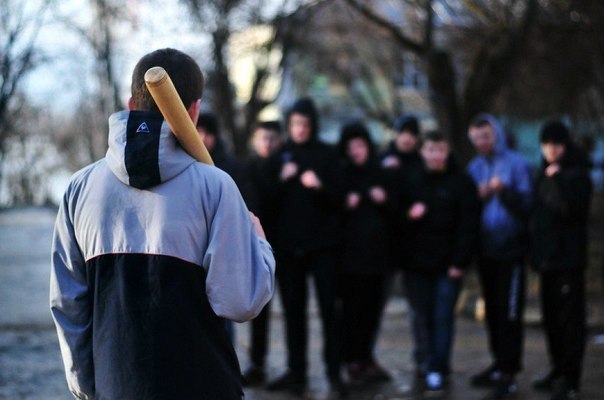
(434, 384)
(563, 391)
(546, 383)
(375, 373)
(338, 386)
(253, 376)
(487, 378)
(504, 389)
(356, 373)
(288, 382)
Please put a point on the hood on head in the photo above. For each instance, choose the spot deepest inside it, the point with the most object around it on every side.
(501, 139)
(143, 152)
(306, 107)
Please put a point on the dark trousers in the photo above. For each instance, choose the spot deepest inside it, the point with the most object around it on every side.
(563, 307)
(504, 291)
(259, 345)
(293, 279)
(432, 299)
(362, 298)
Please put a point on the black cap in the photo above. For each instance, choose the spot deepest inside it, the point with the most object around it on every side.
(554, 131)
(407, 123)
(209, 123)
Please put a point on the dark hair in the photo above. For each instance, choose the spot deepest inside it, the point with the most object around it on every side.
(479, 120)
(354, 130)
(434, 136)
(182, 69)
(209, 123)
(268, 125)
(407, 123)
(554, 131)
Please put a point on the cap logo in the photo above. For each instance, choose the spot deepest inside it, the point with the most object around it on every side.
(143, 128)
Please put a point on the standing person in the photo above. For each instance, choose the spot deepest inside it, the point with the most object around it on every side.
(365, 255)
(559, 233)
(209, 130)
(443, 214)
(265, 140)
(402, 152)
(400, 160)
(151, 250)
(307, 194)
(504, 186)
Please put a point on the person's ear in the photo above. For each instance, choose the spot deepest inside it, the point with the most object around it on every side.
(193, 110)
(131, 105)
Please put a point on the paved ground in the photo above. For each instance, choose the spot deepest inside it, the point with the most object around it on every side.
(30, 365)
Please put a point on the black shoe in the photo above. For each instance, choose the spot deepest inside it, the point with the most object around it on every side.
(288, 382)
(546, 383)
(254, 376)
(506, 388)
(564, 391)
(338, 386)
(487, 378)
(374, 373)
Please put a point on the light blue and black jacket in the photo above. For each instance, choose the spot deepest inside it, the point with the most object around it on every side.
(504, 215)
(152, 250)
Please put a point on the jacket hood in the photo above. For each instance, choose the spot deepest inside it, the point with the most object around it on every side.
(501, 139)
(143, 152)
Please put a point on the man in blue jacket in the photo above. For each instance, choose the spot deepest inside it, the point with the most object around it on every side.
(504, 185)
(152, 250)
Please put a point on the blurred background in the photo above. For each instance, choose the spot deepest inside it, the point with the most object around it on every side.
(65, 67)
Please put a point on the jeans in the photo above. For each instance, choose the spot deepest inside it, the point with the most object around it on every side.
(432, 299)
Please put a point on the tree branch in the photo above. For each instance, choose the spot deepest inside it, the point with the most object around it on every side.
(384, 23)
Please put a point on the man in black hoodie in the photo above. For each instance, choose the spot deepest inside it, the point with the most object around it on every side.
(559, 232)
(306, 191)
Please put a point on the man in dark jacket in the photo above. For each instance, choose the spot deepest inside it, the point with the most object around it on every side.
(365, 255)
(308, 197)
(442, 213)
(559, 233)
(265, 140)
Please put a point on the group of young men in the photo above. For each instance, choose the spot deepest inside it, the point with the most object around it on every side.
(154, 253)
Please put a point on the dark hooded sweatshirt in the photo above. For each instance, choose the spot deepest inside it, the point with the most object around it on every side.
(560, 215)
(307, 219)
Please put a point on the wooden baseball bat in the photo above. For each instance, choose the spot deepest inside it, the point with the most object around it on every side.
(170, 105)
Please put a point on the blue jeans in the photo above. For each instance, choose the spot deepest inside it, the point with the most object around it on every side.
(432, 299)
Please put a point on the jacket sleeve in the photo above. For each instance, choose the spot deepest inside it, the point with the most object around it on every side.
(568, 192)
(469, 224)
(240, 265)
(518, 197)
(71, 305)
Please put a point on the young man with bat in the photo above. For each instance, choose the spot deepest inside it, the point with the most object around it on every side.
(152, 250)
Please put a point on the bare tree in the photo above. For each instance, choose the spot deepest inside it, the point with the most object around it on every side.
(100, 37)
(504, 28)
(220, 19)
(19, 55)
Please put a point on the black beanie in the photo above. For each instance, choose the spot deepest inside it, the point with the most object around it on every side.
(554, 131)
(306, 107)
(406, 123)
(209, 123)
